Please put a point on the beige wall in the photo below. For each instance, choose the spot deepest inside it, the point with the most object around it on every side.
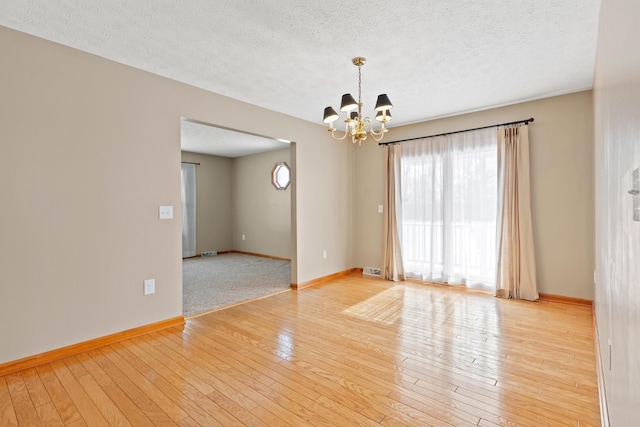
(260, 212)
(214, 209)
(561, 190)
(617, 154)
(89, 149)
(235, 197)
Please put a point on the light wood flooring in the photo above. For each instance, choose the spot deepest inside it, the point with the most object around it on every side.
(349, 352)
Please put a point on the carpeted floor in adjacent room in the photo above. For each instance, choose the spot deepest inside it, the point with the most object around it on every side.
(219, 281)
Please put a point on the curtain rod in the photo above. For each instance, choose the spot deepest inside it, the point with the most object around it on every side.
(526, 121)
(191, 163)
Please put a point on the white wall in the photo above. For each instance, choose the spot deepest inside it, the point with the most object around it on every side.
(260, 212)
(561, 161)
(617, 250)
(214, 202)
(89, 149)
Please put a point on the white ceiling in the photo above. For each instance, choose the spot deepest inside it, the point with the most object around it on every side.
(206, 139)
(433, 58)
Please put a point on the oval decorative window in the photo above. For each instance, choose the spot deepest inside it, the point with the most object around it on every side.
(281, 176)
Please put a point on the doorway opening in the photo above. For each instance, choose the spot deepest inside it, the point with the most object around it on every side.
(244, 236)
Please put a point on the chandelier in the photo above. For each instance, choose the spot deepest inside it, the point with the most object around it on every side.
(356, 126)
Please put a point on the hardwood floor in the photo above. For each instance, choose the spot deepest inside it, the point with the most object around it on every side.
(353, 351)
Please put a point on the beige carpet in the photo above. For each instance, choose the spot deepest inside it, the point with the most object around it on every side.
(213, 282)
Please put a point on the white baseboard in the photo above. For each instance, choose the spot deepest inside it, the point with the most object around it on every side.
(602, 395)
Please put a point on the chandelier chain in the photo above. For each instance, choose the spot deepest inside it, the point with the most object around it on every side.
(359, 84)
(359, 92)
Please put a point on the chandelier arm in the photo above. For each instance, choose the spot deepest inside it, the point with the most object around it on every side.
(366, 122)
(377, 136)
(381, 131)
(333, 134)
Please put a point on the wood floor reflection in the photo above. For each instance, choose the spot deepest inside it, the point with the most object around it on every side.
(353, 351)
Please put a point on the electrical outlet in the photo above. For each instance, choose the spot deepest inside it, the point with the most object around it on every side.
(165, 212)
(149, 286)
(244, 237)
(324, 253)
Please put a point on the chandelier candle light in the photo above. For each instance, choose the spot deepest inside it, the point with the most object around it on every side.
(358, 127)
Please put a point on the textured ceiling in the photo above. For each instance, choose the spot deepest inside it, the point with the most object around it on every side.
(206, 139)
(433, 58)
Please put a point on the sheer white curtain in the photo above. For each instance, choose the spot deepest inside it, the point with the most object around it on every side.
(188, 210)
(449, 199)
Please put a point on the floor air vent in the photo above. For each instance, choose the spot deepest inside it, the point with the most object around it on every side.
(209, 253)
(371, 271)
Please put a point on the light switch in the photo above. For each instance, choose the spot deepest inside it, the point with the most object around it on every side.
(380, 208)
(166, 212)
(149, 286)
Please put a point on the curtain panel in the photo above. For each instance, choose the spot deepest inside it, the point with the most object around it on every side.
(188, 210)
(516, 275)
(392, 265)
